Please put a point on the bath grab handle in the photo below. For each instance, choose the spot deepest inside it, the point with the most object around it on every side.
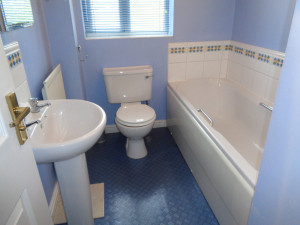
(266, 106)
(211, 122)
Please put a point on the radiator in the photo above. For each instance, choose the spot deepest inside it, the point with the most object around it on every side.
(54, 85)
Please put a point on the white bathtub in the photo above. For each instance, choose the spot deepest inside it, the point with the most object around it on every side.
(225, 157)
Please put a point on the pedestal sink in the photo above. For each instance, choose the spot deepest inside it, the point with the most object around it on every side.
(67, 130)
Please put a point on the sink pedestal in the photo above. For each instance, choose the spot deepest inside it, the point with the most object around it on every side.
(74, 184)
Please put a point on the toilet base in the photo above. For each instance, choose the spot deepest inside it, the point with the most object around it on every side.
(136, 149)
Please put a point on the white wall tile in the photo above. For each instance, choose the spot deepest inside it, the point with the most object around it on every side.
(247, 78)
(235, 69)
(23, 94)
(223, 71)
(177, 58)
(18, 74)
(260, 82)
(262, 67)
(194, 70)
(195, 57)
(271, 89)
(275, 72)
(212, 69)
(176, 71)
(225, 54)
(216, 55)
(234, 57)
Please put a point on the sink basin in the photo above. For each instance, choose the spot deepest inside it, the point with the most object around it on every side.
(68, 128)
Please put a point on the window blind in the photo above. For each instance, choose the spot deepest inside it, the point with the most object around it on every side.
(16, 13)
(127, 18)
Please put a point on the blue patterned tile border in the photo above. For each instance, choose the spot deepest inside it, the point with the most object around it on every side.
(177, 50)
(214, 48)
(14, 59)
(198, 48)
(250, 53)
(263, 57)
(277, 62)
(228, 47)
(238, 50)
(195, 49)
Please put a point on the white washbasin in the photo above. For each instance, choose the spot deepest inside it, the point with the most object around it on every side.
(67, 129)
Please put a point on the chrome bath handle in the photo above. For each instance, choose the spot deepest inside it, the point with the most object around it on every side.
(266, 106)
(211, 122)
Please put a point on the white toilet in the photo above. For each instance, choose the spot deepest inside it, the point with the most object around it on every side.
(129, 86)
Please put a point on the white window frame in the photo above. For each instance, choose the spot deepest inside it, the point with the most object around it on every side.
(87, 20)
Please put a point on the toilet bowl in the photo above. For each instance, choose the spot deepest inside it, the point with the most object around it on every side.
(130, 86)
(135, 121)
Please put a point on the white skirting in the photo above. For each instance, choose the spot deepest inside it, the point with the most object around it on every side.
(113, 128)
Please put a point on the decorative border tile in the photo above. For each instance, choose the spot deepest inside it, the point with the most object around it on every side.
(228, 47)
(250, 53)
(238, 50)
(255, 53)
(277, 62)
(263, 57)
(14, 59)
(213, 48)
(195, 49)
(177, 50)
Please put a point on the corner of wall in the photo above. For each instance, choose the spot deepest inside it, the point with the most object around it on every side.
(44, 26)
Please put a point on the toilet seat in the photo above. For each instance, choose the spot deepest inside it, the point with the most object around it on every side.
(135, 115)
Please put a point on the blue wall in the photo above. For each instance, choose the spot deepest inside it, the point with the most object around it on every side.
(194, 21)
(264, 23)
(63, 45)
(277, 198)
(37, 60)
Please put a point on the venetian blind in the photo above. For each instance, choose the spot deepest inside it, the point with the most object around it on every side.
(127, 18)
(16, 14)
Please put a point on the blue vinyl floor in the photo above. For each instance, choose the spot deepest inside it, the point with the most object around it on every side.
(156, 190)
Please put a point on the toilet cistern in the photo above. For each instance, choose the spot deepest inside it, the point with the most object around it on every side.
(130, 86)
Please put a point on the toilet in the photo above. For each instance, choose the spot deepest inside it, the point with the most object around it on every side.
(130, 86)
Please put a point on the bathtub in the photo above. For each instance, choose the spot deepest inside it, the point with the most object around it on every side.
(221, 129)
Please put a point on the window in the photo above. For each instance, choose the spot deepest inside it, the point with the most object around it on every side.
(15, 14)
(127, 18)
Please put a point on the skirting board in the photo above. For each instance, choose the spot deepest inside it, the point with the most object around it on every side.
(113, 128)
(53, 201)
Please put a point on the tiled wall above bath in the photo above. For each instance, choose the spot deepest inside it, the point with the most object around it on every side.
(196, 59)
(254, 68)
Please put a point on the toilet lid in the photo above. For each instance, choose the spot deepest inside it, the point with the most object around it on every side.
(135, 115)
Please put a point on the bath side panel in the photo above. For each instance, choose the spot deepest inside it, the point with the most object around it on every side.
(228, 194)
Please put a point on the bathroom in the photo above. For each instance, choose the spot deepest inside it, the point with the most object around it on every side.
(58, 30)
